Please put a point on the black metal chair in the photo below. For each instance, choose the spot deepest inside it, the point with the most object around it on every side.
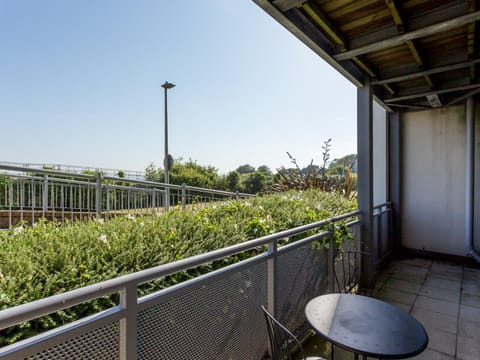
(283, 344)
(347, 271)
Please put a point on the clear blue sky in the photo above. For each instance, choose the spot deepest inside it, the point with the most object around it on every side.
(80, 84)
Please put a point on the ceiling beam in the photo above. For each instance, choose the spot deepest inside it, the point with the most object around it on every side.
(397, 18)
(401, 39)
(464, 96)
(426, 72)
(284, 5)
(413, 107)
(471, 39)
(319, 17)
(434, 100)
(428, 93)
(337, 37)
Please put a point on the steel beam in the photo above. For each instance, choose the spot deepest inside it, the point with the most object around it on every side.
(401, 39)
(284, 5)
(394, 156)
(435, 92)
(426, 72)
(365, 180)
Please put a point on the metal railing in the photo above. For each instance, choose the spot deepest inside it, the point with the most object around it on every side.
(29, 194)
(214, 316)
(128, 174)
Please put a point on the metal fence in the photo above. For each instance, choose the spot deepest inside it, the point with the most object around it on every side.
(214, 316)
(27, 195)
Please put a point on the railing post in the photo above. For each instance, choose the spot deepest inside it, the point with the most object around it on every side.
(108, 200)
(45, 195)
(10, 203)
(154, 200)
(271, 276)
(332, 249)
(128, 324)
(167, 198)
(98, 196)
(184, 195)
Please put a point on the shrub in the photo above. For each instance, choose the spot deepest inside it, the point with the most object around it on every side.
(47, 259)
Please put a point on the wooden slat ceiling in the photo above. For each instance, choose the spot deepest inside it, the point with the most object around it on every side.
(416, 53)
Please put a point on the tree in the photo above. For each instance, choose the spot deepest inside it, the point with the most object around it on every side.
(233, 181)
(245, 169)
(265, 170)
(254, 183)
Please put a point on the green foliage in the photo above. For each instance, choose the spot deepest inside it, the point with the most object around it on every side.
(233, 181)
(254, 183)
(48, 259)
(245, 169)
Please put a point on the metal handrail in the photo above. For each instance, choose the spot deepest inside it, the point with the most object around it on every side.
(45, 306)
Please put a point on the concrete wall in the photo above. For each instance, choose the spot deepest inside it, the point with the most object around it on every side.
(379, 155)
(433, 180)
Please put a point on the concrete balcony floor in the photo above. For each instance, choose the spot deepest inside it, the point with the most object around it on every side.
(444, 297)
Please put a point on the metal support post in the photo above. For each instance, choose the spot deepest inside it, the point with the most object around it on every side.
(98, 195)
(331, 255)
(184, 196)
(45, 195)
(365, 180)
(394, 180)
(271, 277)
(108, 199)
(128, 325)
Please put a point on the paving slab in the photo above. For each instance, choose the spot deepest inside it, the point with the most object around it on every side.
(471, 287)
(457, 277)
(440, 293)
(403, 285)
(468, 349)
(429, 354)
(471, 274)
(470, 300)
(441, 267)
(411, 277)
(434, 320)
(398, 296)
(442, 342)
(469, 329)
(404, 307)
(436, 305)
(425, 263)
(470, 313)
(433, 281)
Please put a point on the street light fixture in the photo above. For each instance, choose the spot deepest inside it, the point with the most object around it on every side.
(168, 160)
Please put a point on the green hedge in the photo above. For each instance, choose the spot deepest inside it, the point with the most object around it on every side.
(47, 259)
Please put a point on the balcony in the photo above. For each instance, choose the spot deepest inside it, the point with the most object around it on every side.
(443, 296)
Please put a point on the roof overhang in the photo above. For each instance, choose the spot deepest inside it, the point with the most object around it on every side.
(416, 54)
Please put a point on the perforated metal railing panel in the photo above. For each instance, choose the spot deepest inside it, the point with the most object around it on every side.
(220, 318)
(302, 275)
(101, 343)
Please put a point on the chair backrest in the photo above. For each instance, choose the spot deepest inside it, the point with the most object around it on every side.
(347, 270)
(282, 342)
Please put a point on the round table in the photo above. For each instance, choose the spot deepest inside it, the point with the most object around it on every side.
(366, 326)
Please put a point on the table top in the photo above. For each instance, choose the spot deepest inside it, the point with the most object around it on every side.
(366, 326)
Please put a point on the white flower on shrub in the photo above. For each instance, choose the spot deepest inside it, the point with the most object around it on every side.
(18, 230)
(1, 276)
(142, 224)
(99, 220)
(130, 217)
(103, 238)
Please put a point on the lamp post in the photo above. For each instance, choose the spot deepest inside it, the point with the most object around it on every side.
(167, 162)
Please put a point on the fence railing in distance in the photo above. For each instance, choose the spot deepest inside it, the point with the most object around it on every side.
(27, 195)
